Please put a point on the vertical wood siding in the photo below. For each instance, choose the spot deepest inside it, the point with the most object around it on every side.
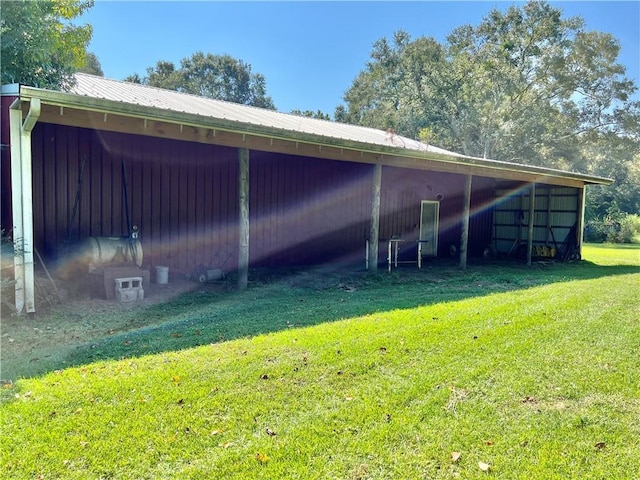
(182, 196)
(482, 210)
(184, 199)
(402, 193)
(307, 211)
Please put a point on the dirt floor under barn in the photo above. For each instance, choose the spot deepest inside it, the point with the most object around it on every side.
(30, 342)
(35, 338)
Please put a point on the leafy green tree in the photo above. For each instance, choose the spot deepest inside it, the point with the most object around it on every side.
(213, 76)
(40, 46)
(134, 78)
(616, 157)
(92, 65)
(310, 114)
(521, 86)
(165, 75)
(525, 85)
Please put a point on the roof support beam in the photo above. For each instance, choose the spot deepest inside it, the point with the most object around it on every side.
(582, 197)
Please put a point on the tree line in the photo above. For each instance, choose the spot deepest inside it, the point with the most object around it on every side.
(525, 85)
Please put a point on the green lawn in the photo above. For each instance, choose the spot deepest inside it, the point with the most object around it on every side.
(527, 372)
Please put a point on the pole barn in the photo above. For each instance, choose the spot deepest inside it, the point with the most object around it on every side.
(193, 182)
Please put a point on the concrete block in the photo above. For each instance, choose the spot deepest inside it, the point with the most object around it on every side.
(127, 295)
(128, 289)
(102, 279)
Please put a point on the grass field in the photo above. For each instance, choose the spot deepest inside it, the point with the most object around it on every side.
(502, 371)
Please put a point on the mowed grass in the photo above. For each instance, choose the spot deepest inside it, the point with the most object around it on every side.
(529, 373)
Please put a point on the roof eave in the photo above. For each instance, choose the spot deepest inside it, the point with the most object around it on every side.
(101, 105)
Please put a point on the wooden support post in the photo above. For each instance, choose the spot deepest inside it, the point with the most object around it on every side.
(375, 218)
(464, 235)
(243, 199)
(582, 197)
(532, 214)
(549, 214)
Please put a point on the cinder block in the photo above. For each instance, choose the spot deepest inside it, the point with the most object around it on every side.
(128, 283)
(126, 295)
(102, 279)
(128, 289)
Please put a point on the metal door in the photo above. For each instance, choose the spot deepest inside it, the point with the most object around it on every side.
(429, 219)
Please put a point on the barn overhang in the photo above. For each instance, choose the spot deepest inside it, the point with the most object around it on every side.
(103, 114)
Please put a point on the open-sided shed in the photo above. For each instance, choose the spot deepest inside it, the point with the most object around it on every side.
(226, 186)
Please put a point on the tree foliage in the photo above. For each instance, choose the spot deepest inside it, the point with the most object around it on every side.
(92, 65)
(525, 85)
(40, 45)
(318, 114)
(616, 157)
(212, 76)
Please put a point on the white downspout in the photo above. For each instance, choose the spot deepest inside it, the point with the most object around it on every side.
(22, 202)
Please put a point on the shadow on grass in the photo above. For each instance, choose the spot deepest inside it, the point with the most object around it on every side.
(294, 298)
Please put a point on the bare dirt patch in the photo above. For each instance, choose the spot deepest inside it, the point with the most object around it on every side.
(31, 343)
(29, 339)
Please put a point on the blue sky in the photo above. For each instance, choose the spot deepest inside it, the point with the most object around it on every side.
(309, 52)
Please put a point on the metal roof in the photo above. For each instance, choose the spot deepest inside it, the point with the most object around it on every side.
(143, 95)
(99, 94)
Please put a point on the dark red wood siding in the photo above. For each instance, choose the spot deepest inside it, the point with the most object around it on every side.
(403, 191)
(183, 198)
(307, 211)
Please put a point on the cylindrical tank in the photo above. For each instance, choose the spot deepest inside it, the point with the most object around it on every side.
(102, 250)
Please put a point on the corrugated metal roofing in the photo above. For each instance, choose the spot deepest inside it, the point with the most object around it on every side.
(114, 96)
(132, 93)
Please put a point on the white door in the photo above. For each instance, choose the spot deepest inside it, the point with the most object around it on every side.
(429, 216)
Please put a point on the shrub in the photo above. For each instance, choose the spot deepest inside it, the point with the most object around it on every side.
(614, 227)
(629, 229)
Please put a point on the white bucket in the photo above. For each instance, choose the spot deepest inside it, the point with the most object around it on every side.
(162, 275)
